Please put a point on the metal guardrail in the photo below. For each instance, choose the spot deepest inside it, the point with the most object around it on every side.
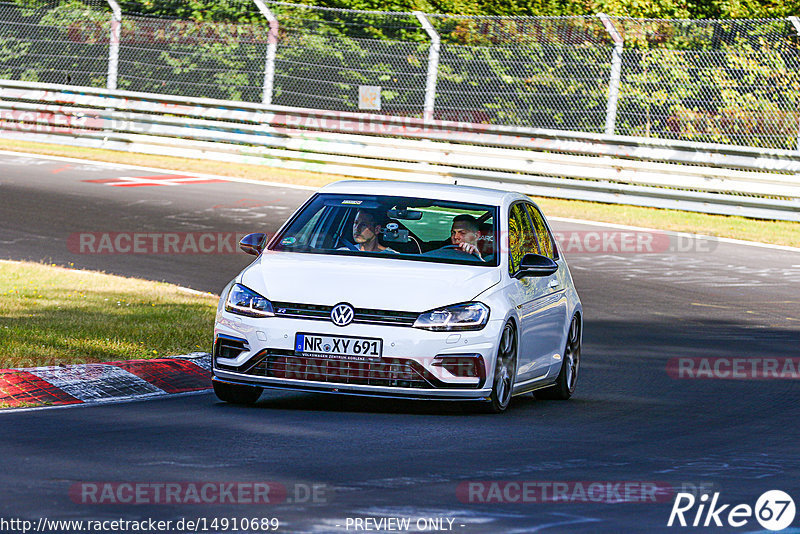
(722, 179)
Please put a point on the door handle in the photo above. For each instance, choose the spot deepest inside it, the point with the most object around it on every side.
(553, 284)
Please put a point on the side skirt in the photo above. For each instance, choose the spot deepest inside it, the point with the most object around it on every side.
(540, 382)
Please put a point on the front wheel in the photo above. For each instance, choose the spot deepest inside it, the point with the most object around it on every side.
(505, 369)
(568, 376)
(236, 393)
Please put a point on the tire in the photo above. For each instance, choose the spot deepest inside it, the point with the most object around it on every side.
(505, 370)
(235, 393)
(570, 364)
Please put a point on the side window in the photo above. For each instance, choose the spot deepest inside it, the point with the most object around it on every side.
(543, 236)
(521, 237)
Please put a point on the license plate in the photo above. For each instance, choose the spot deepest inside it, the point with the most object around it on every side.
(338, 347)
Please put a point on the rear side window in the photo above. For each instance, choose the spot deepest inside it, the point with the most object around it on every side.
(521, 237)
(543, 236)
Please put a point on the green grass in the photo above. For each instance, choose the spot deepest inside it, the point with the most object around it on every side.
(23, 404)
(51, 315)
(776, 232)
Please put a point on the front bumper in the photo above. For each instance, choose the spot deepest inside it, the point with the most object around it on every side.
(410, 366)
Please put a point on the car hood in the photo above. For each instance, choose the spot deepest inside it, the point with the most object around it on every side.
(376, 283)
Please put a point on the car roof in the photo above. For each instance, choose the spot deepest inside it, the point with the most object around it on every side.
(458, 193)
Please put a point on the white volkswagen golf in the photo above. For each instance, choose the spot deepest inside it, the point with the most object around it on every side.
(404, 290)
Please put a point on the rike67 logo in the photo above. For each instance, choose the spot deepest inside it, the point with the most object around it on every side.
(774, 510)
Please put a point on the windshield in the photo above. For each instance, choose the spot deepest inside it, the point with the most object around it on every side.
(405, 228)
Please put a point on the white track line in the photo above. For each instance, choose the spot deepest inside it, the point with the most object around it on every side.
(156, 170)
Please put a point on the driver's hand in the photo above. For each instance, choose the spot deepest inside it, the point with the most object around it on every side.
(469, 248)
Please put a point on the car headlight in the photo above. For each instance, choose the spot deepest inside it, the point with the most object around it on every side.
(243, 301)
(469, 316)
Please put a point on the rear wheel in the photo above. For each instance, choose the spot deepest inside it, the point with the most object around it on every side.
(236, 393)
(568, 376)
(505, 370)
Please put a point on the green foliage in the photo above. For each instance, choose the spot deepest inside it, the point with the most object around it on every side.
(197, 10)
(242, 10)
(652, 9)
(693, 9)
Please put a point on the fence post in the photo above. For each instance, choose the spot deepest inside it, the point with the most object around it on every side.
(616, 72)
(272, 47)
(796, 23)
(433, 64)
(113, 44)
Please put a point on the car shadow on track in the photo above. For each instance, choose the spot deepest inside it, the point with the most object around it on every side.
(321, 402)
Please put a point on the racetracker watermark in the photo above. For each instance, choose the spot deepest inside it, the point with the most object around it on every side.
(568, 491)
(208, 492)
(149, 524)
(631, 242)
(169, 32)
(467, 368)
(577, 242)
(467, 124)
(727, 368)
(154, 242)
(604, 242)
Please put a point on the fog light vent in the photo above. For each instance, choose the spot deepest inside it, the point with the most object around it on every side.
(229, 347)
(462, 365)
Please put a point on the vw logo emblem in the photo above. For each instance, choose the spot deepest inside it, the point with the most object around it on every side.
(342, 314)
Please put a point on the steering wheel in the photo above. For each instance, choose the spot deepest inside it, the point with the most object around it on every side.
(477, 253)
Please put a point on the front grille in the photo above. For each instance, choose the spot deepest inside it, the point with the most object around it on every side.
(302, 311)
(386, 373)
(385, 317)
(362, 315)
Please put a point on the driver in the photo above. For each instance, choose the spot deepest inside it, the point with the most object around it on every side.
(464, 234)
(366, 228)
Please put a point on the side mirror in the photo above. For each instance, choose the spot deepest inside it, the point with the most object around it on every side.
(253, 243)
(536, 265)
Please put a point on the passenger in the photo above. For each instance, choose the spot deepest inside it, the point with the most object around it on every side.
(366, 228)
(465, 233)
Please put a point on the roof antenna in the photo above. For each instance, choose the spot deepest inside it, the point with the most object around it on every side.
(455, 182)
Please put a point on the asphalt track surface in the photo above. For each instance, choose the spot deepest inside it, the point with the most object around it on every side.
(630, 421)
